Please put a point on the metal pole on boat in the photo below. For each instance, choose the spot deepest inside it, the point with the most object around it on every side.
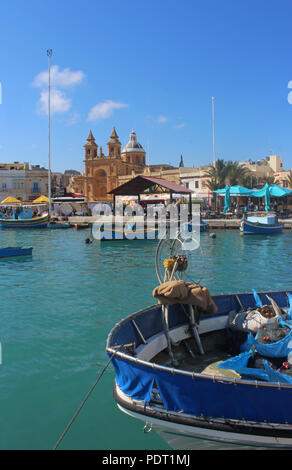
(213, 122)
(49, 54)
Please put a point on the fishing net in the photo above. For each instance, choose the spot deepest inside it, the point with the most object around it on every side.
(265, 333)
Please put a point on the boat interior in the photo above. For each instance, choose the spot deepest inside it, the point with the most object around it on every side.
(200, 347)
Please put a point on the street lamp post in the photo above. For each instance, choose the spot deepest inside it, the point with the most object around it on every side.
(49, 54)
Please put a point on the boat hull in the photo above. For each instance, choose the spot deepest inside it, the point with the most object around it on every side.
(14, 251)
(251, 228)
(116, 235)
(37, 222)
(201, 433)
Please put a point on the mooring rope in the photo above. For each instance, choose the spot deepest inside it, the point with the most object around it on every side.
(85, 399)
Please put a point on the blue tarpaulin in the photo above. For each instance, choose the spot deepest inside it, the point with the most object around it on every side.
(274, 190)
(235, 191)
(200, 395)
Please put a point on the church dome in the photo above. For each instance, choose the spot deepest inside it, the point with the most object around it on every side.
(133, 145)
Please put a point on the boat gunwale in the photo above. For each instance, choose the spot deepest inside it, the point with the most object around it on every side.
(114, 351)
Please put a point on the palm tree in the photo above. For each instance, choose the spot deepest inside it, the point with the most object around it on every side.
(269, 180)
(216, 175)
(226, 172)
(236, 174)
(289, 180)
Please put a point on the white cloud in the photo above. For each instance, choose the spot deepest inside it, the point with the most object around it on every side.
(180, 126)
(59, 78)
(104, 110)
(162, 119)
(59, 102)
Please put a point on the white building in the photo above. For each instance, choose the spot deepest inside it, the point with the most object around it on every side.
(22, 181)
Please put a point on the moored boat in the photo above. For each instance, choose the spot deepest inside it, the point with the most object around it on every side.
(201, 370)
(128, 232)
(263, 224)
(11, 251)
(23, 218)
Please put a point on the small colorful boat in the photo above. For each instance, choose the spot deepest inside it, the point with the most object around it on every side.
(23, 218)
(263, 224)
(11, 251)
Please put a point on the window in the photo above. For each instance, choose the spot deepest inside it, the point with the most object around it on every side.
(197, 184)
(35, 187)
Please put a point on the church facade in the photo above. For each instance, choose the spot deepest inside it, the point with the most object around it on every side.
(102, 172)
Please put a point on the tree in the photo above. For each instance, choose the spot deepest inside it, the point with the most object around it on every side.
(289, 180)
(226, 172)
(269, 180)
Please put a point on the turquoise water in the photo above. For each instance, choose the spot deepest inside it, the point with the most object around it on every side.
(57, 308)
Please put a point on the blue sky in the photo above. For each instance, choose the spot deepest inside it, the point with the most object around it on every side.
(151, 66)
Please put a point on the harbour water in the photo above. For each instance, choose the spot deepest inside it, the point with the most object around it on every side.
(57, 308)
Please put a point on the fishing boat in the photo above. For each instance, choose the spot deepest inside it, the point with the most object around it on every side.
(81, 225)
(263, 224)
(201, 370)
(11, 251)
(23, 218)
(127, 231)
(59, 225)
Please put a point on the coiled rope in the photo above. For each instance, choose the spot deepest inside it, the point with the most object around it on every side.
(85, 399)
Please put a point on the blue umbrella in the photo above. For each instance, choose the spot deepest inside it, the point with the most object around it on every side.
(235, 191)
(227, 199)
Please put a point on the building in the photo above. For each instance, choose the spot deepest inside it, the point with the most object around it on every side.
(196, 180)
(283, 178)
(22, 181)
(102, 172)
(264, 168)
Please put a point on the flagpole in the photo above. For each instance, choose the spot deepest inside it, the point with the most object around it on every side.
(213, 121)
(49, 54)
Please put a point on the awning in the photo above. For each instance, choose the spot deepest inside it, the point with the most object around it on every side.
(10, 200)
(142, 184)
(274, 190)
(41, 199)
(236, 191)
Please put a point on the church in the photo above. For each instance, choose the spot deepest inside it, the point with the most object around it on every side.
(102, 172)
(105, 172)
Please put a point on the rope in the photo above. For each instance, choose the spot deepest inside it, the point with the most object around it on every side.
(85, 399)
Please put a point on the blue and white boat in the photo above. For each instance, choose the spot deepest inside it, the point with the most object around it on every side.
(263, 224)
(195, 381)
(11, 251)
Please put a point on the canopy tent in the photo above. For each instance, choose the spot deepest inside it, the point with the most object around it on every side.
(267, 191)
(147, 185)
(41, 200)
(10, 200)
(229, 191)
(235, 191)
(274, 191)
